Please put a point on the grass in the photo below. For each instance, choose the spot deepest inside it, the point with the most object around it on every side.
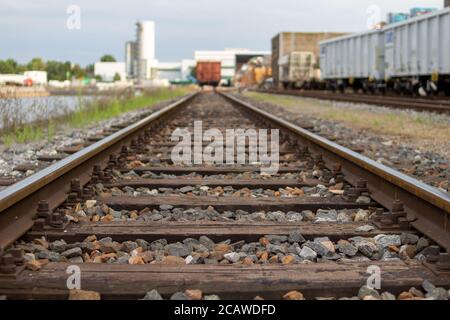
(423, 130)
(401, 123)
(15, 131)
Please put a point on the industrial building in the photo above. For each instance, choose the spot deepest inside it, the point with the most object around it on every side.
(140, 54)
(108, 70)
(230, 59)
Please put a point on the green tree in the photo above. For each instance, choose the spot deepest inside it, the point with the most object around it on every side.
(78, 72)
(89, 70)
(36, 64)
(117, 77)
(107, 58)
(57, 70)
(8, 66)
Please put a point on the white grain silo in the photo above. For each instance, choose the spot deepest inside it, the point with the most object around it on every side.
(145, 49)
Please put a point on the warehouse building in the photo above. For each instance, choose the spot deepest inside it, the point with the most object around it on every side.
(107, 71)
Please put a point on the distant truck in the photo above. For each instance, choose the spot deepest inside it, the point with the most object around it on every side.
(208, 73)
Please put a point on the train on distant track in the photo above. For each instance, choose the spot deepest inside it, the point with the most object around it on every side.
(208, 73)
(410, 57)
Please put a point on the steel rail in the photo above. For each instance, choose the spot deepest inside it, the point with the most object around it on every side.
(427, 208)
(438, 106)
(18, 203)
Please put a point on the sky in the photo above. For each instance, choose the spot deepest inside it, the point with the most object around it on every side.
(39, 28)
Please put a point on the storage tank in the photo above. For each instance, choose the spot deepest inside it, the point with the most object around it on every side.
(145, 49)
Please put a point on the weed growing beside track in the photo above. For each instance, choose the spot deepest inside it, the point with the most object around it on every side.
(15, 130)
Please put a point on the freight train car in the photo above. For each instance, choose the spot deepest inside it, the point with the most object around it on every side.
(208, 73)
(417, 54)
(297, 69)
(410, 57)
(355, 61)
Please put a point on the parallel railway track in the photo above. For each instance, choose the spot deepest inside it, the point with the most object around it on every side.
(408, 103)
(227, 229)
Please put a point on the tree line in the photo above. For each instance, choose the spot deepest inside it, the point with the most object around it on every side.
(56, 70)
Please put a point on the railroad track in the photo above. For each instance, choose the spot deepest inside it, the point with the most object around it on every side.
(419, 104)
(134, 221)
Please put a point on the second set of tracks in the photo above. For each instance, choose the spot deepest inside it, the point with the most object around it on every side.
(434, 104)
(133, 221)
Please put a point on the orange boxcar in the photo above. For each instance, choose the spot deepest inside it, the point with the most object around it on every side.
(208, 73)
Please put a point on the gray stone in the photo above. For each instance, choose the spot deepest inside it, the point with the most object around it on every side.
(437, 294)
(129, 246)
(431, 251)
(409, 238)
(296, 236)
(207, 242)
(347, 248)
(177, 249)
(317, 247)
(422, 244)
(143, 244)
(343, 217)
(292, 216)
(179, 296)
(58, 246)
(275, 248)
(50, 255)
(326, 215)
(385, 241)
(365, 228)
(366, 291)
(389, 256)
(232, 257)
(387, 296)
(158, 244)
(152, 295)
(276, 216)
(363, 200)
(77, 259)
(307, 253)
(186, 189)
(165, 207)
(276, 239)
(428, 286)
(72, 253)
